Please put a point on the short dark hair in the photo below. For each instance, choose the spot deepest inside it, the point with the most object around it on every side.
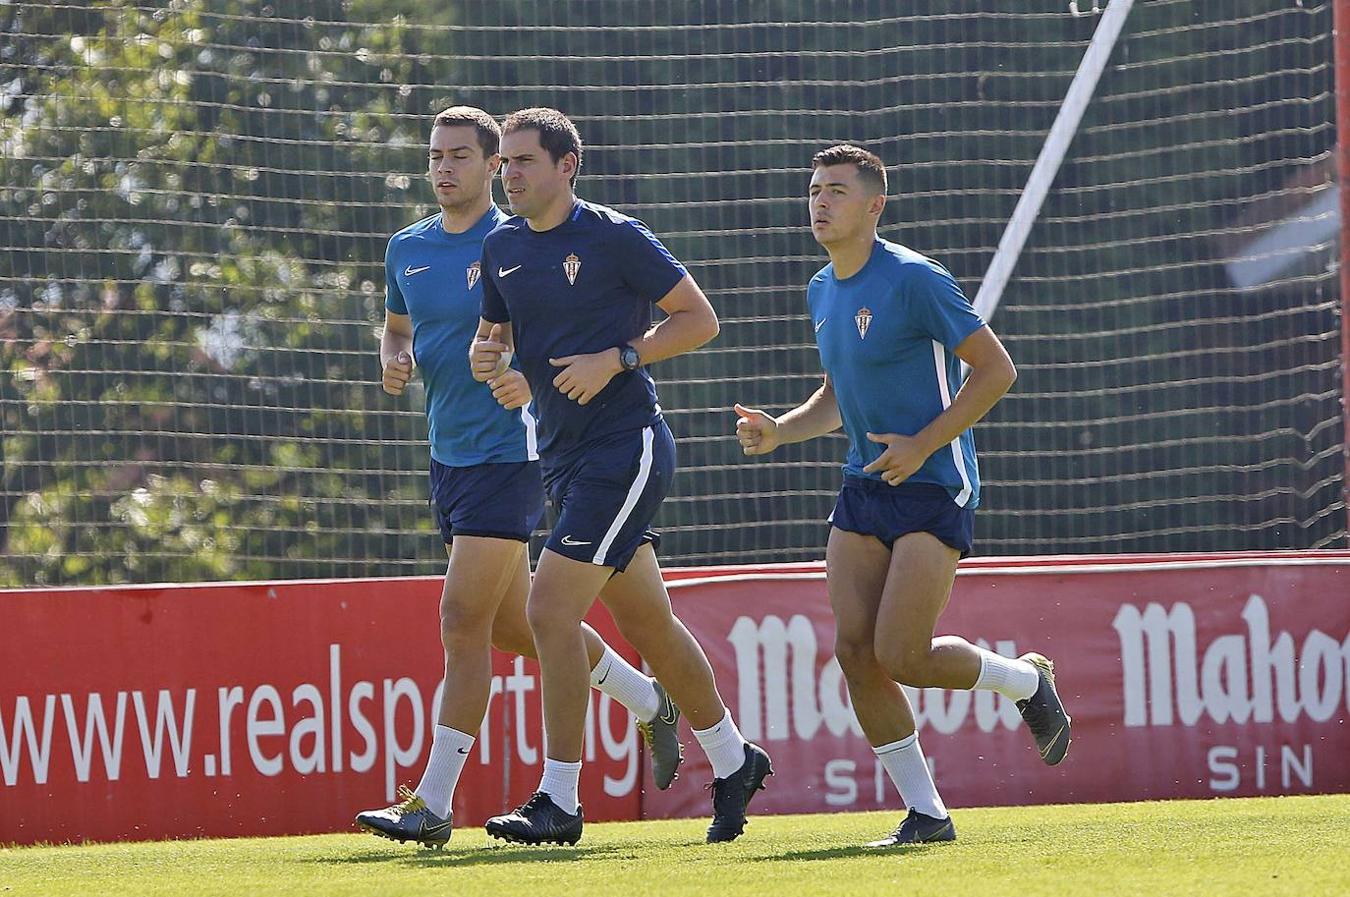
(869, 165)
(489, 134)
(557, 134)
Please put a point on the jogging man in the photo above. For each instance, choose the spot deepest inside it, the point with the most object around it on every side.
(485, 482)
(892, 327)
(568, 286)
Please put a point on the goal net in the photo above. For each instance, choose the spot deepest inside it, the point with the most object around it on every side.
(196, 196)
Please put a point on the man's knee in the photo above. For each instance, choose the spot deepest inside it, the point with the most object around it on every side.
(463, 621)
(906, 664)
(855, 654)
(546, 615)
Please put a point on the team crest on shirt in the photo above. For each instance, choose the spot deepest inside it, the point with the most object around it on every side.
(572, 267)
(864, 320)
(472, 273)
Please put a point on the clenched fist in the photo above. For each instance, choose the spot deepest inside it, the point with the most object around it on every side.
(756, 431)
(397, 372)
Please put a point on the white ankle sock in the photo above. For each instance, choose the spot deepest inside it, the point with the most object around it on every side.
(449, 752)
(907, 768)
(724, 746)
(560, 783)
(622, 681)
(1008, 676)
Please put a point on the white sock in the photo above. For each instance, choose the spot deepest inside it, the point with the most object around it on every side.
(560, 783)
(904, 763)
(1008, 676)
(449, 752)
(724, 746)
(620, 680)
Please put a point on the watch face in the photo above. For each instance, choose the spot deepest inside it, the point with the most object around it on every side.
(629, 358)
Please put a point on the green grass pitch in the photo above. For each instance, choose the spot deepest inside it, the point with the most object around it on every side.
(1263, 846)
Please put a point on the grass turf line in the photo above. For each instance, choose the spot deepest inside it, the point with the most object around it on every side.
(1268, 846)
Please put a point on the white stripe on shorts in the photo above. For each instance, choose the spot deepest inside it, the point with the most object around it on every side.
(634, 493)
(531, 433)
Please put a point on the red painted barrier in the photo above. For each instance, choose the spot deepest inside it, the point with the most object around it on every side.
(251, 709)
(1193, 676)
(255, 709)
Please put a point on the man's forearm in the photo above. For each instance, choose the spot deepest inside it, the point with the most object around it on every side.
(816, 416)
(392, 343)
(980, 393)
(682, 332)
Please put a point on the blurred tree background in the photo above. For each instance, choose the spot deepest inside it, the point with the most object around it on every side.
(195, 197)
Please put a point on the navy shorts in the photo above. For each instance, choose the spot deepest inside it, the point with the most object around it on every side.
(502, 501)
(873, 508)
(607, 496)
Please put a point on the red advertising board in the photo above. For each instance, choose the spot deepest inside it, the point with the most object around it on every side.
(254, 709)
(1186, 676)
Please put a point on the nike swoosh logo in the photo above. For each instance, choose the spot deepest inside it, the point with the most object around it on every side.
(821, 324)
(410, 270)
(668, 713)
(1049, 745)
(435, 829)
(462, 750)
(568, 540)
(604, 677)
(503, 272)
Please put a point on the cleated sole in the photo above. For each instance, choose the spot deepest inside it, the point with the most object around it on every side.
(513, 838)
(674, 776)
(945, 835)
(1054, 753)
(724, 837)
(401, 839)
(760, 786)
(648, 737)
(917, 828)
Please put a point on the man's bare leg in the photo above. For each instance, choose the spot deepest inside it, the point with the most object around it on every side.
(857, 568)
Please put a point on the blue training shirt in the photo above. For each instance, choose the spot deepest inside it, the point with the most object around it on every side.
(584, 286)
(435, 277)
(886, 337)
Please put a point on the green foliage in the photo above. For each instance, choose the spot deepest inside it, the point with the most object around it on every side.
(188, 305)
(195, 196)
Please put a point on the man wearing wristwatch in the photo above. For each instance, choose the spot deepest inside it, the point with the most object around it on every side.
(486, 490)
(629, 359)
(568, 287)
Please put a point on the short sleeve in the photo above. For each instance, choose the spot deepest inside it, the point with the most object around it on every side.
(393, 295)
(812, 296)
(938, 307)
(493, 306)
(647, 266)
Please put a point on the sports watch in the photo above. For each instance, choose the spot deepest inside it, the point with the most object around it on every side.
(629, 358)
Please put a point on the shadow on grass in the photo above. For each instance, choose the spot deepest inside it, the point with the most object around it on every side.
(476, 856)
(855, 850)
